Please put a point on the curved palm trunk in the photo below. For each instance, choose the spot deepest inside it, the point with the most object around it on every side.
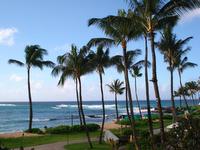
(103, 106)
(82, 113)
(137, 147)
(30, 102)
(77, 98)
(147, 89)
(180, 80)
(136, 95)
(180, 101)
(116, 106)
(172, 93)
(156, 88)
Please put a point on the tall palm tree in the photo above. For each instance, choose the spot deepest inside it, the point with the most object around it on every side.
(169, 47)
(101, 60)
(183, 64)
(34, 57)
(156, 13)
(120, 30)
(63, 69)
(135, 72)
(118, 62)
(116, 88)
(140, 13)
(76, 63)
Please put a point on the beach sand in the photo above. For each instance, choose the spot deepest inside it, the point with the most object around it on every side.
(112, 125)
(16, 135)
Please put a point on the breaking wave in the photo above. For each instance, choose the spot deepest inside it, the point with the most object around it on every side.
(7, 105)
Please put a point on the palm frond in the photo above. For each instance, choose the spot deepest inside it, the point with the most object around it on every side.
(105, 42)
(17, 62)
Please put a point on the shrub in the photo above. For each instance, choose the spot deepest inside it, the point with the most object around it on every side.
(93, 127)
(77, 128)
(167, 117)
(62, 129)
(186, 135)
(67, 129)
(34, 130)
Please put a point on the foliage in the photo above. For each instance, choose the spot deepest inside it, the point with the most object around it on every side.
(35, 130)
(63, 129)
(84, 146)
(186, 135)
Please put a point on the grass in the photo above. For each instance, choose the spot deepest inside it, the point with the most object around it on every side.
(85, 146)
(44, 139)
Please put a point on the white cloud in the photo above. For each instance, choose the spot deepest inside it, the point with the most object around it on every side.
(190, 16)
(16, 78)
(7, 36)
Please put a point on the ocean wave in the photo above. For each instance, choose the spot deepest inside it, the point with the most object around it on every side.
(7, 105)
(93, 107)
(40, 120)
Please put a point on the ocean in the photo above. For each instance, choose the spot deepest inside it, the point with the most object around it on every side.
(14, 115)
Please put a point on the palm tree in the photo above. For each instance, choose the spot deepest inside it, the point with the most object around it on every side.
(155, 14)
(169, 47)
(63, 69)
(183, 64)
(33, 58)
(116, 88)
(178, 94)
(192, 88)
(120, 30)
(101, 60)
(118, 62)
(71, 64)
(135, 72)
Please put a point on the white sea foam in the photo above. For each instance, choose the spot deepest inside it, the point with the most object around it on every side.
(7, 105)
(40, 120)
(92, 107)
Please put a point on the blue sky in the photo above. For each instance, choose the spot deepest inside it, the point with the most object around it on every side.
(55, 25)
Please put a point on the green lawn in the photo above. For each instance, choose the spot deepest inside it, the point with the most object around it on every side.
(85, 146)
(44, 139)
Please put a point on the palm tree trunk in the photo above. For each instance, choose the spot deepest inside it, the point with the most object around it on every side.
(147, 89)
(156, 88)
(30, 102)
(172, 94)
(136, 95)
(116, 106)
(82, 113)
(180, 80)
(193, 99)
(103, 106)
(77, 98)
(180, 102)
(127, 105)
(137, 147)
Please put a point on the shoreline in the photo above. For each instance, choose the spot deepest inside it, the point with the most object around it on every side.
(108, 125)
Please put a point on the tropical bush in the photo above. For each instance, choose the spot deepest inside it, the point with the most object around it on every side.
(186, 135)
(63, 129)
(35, 130)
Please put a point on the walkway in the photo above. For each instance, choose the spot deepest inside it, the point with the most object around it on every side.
(56, 146)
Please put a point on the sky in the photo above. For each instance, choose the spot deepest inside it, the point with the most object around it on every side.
(55, 25)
